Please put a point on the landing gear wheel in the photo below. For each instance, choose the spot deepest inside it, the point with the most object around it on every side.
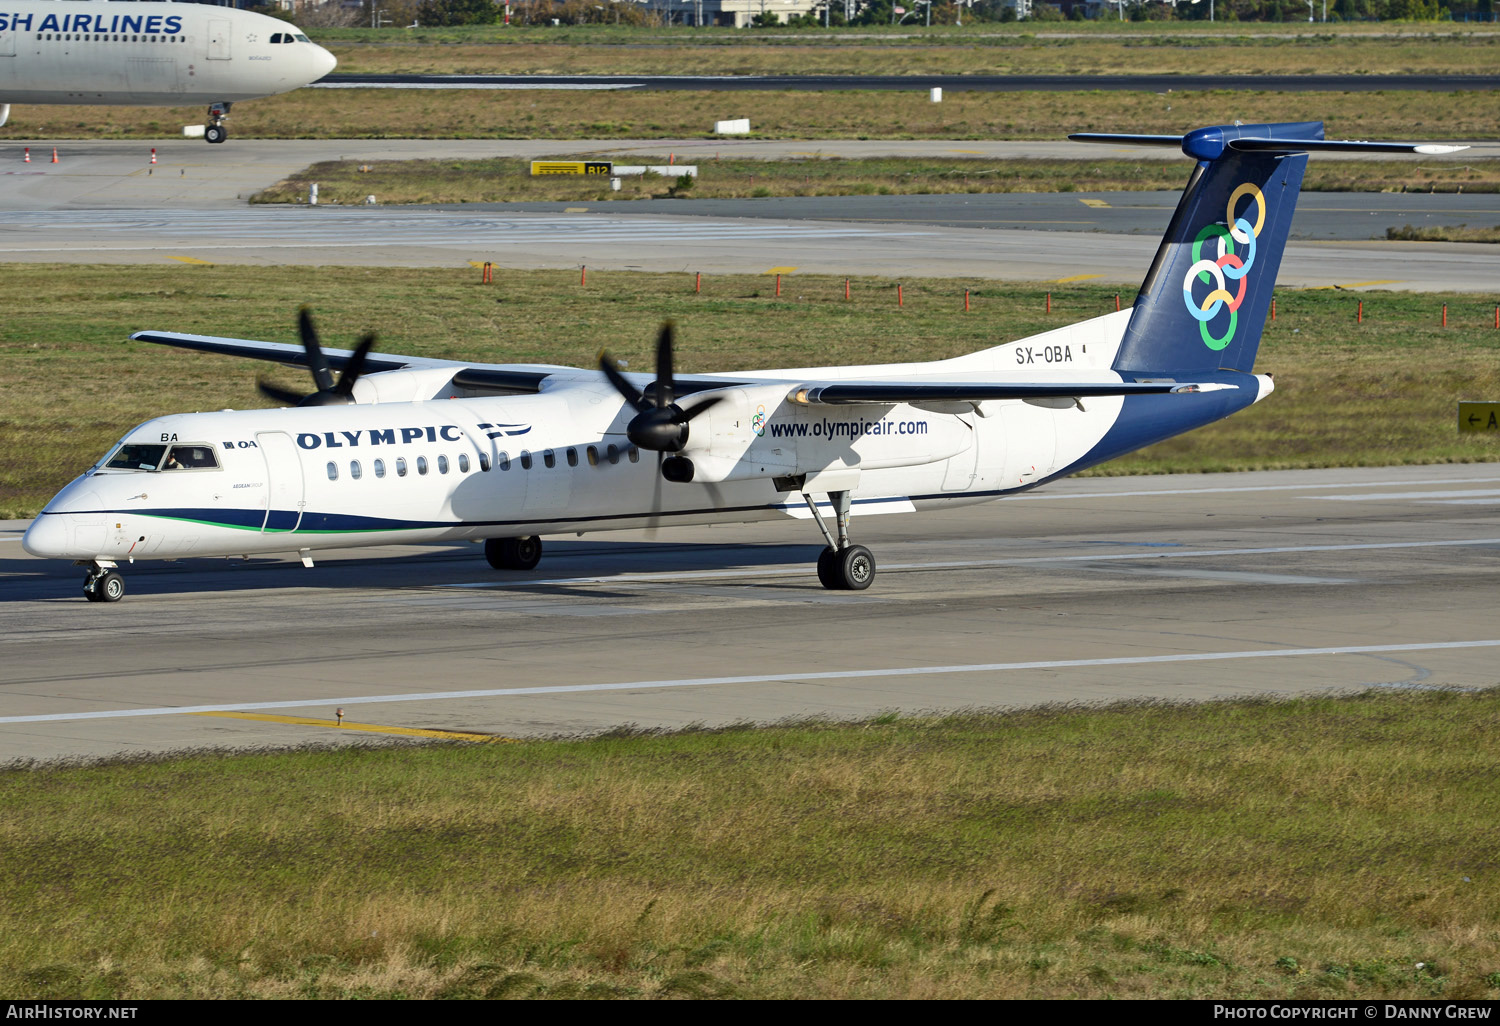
(847, 569)
(513, 553)
(827, 574)
(106, 587)
(216, 133)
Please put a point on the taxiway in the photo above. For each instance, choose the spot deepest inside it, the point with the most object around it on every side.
(1100, 589)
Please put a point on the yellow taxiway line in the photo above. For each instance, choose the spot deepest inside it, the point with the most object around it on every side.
(191, 260)
(1075, 277)
(373, 728)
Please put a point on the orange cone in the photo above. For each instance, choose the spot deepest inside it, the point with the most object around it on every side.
(28, 154)
(54, 155)
(153, 154)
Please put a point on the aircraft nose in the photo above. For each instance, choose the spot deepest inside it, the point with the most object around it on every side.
(323, 62)
(47, 537)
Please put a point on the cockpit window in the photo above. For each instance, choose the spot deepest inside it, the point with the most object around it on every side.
(191, 457)
(278, 37)
(136, 457)
(301, 38)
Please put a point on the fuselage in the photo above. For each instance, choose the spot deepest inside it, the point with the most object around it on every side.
(149, 54)
(456, 467)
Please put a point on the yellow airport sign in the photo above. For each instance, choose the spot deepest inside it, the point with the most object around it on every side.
(1479, 417)
(572, 167)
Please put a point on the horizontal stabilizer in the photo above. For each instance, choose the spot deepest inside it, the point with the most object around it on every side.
(1287, 137)
(1339, 146)
(846, 393)
(1126, 139)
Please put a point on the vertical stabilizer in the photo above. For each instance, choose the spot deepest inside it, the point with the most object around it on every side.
(1204, 302)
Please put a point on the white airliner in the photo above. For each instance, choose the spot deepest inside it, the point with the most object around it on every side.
(86, 52)
(406, 449)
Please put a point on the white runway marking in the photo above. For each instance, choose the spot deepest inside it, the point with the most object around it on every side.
(1033, 496)
(1491, 493)
(772, 678)
(983, 564)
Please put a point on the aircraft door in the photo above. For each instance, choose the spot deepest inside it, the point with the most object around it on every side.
(218, 39)
(284, 494)
(959, 473)
(7, 44)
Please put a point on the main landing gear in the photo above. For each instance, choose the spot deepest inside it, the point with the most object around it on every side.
(513, 553)
(103, 583)
(215, 131)
(841, 566)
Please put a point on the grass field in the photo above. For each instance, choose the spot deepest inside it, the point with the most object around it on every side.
(1443, 233)
(1377, 393)
(552, 114)
(500, 180)
(1320, 848)
(1155, 48)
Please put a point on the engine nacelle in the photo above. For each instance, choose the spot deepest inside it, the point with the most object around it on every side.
(759, 432)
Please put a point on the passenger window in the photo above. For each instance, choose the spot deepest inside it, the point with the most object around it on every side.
(333, 471)
(572, 456)
(484, 463)
(380, 468)
(593, 455)
(614, 455)
(463, 463)
(635, 455)
(354, 470)
(504, 459)
(401, 466)
(442, 464)
(549, 458)
(525, 460)
(421, 465)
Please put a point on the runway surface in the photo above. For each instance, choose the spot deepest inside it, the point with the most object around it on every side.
(104, 203)
(608, 240)
(114, 174)
(950, 83)
(1189, 587)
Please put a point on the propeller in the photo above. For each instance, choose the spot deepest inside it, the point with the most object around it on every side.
(660, 424)
(329, 393)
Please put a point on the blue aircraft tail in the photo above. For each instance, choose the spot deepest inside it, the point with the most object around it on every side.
(1203, 304)
(1204, 301)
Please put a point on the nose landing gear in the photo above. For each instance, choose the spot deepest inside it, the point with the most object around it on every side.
(841, 566)
(103, 583)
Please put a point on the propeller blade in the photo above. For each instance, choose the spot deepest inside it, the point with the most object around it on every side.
(666, 390)
(698, 407)
(654, 522)
(277, 394)
(622, 384)
(316, 361)
(356, 365)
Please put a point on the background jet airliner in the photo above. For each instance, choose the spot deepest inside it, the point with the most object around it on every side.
(150, 54)
(519, 451)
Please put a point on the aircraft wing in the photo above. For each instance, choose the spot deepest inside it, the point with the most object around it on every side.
(481, 377)
(846, 393)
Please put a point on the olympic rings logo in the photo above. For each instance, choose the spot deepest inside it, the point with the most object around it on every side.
(758, 422)
(1226, 267)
